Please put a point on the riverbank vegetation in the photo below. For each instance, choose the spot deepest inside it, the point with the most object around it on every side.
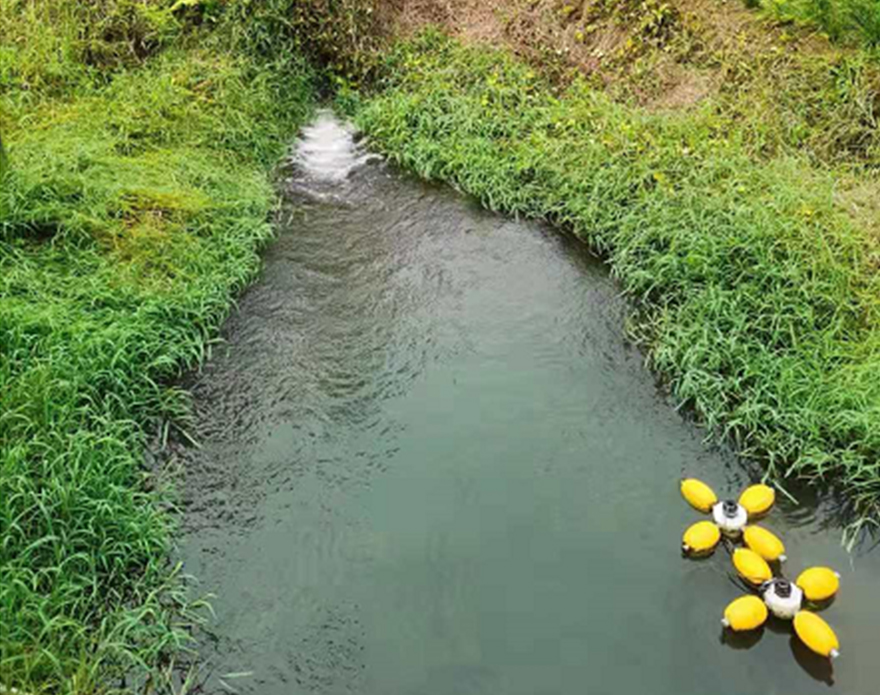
(722, 157)
(753, 275)
(854, 22)
(132, 208)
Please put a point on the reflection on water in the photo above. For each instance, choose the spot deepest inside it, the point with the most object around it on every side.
(431, 464)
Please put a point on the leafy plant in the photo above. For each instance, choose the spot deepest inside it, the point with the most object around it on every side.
(343, 36)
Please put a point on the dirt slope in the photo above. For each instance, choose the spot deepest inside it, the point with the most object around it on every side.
(664, 53)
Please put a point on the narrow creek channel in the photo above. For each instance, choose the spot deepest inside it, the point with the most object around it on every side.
(431, 464)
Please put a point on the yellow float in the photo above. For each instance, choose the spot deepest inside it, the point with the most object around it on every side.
(764, 542)
(745, 613)
(757, 499)
(699, 495)
(751, 566)
(700, 538)
(818, 583)
(816, 634)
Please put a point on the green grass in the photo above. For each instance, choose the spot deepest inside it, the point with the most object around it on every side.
(847, 21)
(756, 294)
(132, 209)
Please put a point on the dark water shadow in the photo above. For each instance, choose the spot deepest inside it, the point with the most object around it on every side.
(740, 640)
(819, 606)
(778, 626)
(819, 668)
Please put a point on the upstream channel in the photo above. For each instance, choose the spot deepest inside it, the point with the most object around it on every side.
(432, 464)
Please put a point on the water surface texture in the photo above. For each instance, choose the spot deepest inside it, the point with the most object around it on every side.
(431, 464)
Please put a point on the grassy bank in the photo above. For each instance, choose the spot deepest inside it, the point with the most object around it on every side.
(845, 21)
(781, 83)
(132, 208)
(756, 291)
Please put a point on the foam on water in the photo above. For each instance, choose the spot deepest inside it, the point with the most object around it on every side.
(327, 151)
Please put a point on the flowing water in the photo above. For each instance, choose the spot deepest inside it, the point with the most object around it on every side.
(431, 464)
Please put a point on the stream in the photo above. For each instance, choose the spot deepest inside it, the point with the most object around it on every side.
(431, 463)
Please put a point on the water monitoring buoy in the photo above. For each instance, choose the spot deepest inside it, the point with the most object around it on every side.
(730, 517)
(775, 595)
(782, 598)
